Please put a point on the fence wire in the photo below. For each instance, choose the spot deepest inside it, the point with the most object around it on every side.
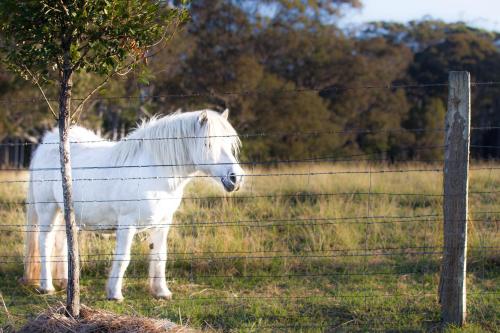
(409, 250)
(335, 88)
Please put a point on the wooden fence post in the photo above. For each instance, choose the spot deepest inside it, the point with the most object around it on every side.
(456, 184)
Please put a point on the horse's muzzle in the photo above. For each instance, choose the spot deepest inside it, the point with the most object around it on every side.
(230, 182)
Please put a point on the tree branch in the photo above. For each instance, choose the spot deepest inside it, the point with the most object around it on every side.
(64, 7)
(41, 90)
(79, 108)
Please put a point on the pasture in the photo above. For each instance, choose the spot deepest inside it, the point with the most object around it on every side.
(304, 248)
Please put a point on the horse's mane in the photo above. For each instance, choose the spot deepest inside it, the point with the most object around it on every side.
(171, 139)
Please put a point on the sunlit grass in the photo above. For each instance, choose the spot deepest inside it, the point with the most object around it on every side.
(338, 247)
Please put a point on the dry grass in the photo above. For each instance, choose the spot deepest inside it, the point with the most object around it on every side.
(211, 265)
(55, 320)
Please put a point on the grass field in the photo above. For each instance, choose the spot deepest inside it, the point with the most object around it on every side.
(294, 259)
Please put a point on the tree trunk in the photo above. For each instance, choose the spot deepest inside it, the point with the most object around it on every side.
(73, 289)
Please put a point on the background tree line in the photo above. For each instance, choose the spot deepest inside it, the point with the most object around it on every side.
(251, 56)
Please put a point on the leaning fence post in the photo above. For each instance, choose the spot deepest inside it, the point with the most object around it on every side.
(456, 184)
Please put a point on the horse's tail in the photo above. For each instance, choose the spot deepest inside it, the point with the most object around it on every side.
(31, 246)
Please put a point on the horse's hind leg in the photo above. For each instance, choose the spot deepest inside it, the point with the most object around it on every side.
(60, 267)
(46, 215)
(158, 259)
(124, 237)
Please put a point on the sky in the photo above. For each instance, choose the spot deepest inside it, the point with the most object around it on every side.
(479, 13)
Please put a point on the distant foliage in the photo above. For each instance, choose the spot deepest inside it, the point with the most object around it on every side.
(249, 55)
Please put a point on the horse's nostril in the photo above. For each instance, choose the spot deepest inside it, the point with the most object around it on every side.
(232, 178)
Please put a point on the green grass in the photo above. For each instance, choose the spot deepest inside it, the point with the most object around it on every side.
(278, 269)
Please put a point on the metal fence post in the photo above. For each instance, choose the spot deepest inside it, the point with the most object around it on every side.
(456, 183)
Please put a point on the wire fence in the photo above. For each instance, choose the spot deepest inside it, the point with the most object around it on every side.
(318, 239)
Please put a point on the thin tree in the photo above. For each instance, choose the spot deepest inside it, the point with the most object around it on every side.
(48, 42)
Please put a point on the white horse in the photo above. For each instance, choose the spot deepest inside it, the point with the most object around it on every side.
(127, 186)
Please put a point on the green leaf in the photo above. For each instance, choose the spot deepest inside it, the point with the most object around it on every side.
(99, 35)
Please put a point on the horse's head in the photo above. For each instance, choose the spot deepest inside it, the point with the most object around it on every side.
(219, 146)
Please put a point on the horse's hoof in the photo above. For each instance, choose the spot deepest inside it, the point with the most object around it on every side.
(115, 298)
(165, 296)
(62, 284)
(162, 294)
(25, 282)
(49, 291)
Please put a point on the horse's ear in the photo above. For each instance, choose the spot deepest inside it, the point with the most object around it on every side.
(203, 117)
(225, 114)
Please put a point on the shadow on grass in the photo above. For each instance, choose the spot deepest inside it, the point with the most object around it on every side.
(233, 291)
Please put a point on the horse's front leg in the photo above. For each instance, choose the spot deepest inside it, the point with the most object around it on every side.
(124, 237)
(158, 260)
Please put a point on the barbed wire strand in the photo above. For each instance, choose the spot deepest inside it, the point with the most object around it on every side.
(256, 223)
(350, 158)
(254, 135)
(245, 197)
(275, 174)
(282, 253)
(335, 88)
(285, 298)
